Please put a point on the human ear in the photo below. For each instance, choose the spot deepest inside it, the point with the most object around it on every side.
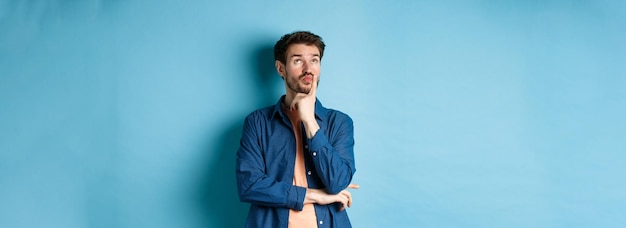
(280, 68)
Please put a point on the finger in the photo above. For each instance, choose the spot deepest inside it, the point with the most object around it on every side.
(342, 199)
(292, 106)
(344, 202)
(350, 201)
(313, 91)
(295, 101)
(354, 186)
(348, 196)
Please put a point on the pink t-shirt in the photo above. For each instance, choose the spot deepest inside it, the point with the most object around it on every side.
(306, 217)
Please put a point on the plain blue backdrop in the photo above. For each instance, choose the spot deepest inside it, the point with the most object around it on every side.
(127, 113)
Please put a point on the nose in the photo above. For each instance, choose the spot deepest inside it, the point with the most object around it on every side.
(306, 68)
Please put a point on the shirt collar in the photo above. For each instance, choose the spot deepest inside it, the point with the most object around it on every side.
(320, 111)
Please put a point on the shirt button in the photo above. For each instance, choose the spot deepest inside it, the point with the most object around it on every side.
(314, 153)
(306, 146)
(321, 222)
(309, 172)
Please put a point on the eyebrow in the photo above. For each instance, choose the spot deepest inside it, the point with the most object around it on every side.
(300, 55)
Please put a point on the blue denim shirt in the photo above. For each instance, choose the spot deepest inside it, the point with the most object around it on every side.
(266, 158)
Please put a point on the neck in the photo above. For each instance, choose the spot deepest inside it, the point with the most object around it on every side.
(289, 96)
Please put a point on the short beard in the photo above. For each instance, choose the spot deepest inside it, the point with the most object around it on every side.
(294, 85)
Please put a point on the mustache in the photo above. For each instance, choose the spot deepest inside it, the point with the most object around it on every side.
(306, 74)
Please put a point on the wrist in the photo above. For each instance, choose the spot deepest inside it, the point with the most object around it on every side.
(311, 127)
(311, 196)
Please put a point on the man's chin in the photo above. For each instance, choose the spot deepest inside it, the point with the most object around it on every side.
(305, 89)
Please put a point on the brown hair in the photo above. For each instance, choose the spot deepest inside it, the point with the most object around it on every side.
(299, 37)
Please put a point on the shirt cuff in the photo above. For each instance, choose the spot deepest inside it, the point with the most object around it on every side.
(295, 197)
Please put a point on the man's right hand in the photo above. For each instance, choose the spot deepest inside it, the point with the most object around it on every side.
(321, 197)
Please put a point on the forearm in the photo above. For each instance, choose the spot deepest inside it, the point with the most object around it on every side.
(273, 194)
(256, 187)
(312, 195)
(318, 196)
(311, 128)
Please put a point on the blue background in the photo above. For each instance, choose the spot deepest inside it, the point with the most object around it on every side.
(127, 113)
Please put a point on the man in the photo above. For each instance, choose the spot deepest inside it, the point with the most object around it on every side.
(296, 158)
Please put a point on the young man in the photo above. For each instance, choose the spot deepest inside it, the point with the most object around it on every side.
(296, 158)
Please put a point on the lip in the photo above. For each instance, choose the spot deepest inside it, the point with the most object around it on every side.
(307, 78)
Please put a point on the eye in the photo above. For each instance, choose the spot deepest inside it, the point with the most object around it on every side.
(297, 61)
(315, 60)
